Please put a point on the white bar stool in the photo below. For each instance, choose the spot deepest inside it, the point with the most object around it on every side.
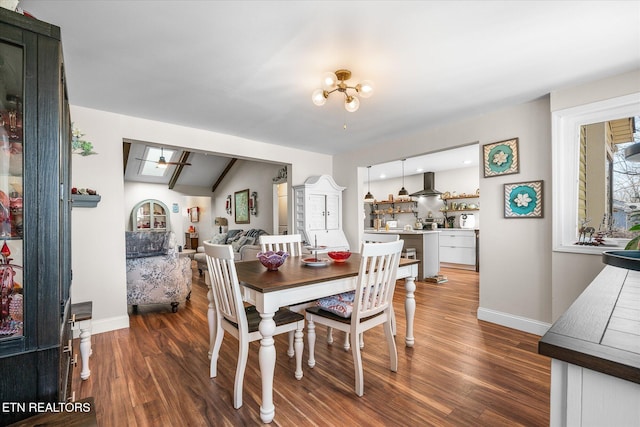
(409, 253)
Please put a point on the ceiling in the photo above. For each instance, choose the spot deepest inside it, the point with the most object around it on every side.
(248, 68)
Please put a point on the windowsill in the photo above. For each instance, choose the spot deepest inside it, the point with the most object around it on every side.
(611, 244)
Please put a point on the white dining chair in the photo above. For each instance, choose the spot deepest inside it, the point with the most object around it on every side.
(368, 238)
(291, 243)
(371, 305)
(242, 322)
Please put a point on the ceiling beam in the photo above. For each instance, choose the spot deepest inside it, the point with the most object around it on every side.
(126, 147)
(176, 173)
(223, 174)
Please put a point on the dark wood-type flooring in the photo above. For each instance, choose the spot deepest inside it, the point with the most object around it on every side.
(461, 371)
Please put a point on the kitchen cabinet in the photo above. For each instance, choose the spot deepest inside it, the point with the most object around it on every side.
(318, 211)
(150, 215)
(36, 350)
(459, 248)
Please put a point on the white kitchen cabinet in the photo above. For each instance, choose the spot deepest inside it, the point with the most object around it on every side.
(459, 247)
(318, 211)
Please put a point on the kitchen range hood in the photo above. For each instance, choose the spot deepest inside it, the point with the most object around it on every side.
(428, 190)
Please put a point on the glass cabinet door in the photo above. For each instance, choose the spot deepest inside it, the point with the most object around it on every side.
(150, 215)
(11, 191)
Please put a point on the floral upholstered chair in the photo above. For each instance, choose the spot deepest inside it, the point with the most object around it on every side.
(156, 274)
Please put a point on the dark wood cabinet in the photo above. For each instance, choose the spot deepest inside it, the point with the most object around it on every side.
(35, 212)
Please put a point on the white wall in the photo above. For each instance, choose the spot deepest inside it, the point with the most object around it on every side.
(98, 249)
(258, 177)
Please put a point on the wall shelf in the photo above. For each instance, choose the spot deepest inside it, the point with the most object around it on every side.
(462, 196)
(459, 210)
(395, 207)
(85, 200)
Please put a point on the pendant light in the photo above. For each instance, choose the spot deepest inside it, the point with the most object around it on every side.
(369, 197)
(403, 191)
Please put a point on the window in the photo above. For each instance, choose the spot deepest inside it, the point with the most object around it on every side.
(579, 193)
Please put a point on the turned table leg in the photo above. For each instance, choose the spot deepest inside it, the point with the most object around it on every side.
(82, 313)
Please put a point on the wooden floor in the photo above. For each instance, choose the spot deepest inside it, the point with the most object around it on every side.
(461, 371)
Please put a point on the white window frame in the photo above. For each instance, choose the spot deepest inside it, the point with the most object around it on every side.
(565, 145)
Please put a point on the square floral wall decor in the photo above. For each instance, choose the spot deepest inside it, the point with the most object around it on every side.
(501, 158)
(523, 200)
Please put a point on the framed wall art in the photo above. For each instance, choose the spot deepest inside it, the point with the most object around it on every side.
(523, 200)
(194, 214)
(241, 199)
(501, 158)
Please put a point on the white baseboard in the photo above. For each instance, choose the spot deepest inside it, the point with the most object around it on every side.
(512, 321)
(105, 325)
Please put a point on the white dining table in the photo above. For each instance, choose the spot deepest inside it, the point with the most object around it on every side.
(295, 283)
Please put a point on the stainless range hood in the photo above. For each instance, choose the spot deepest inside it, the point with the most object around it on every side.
(428, 188)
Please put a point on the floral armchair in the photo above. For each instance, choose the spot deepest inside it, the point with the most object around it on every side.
(156, 274)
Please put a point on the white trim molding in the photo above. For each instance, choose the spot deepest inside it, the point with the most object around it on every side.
(109, 324)
(512, 321)
(565, 126)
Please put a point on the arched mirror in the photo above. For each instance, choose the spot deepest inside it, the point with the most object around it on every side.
(595, 189)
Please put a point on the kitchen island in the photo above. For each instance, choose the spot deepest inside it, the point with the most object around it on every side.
(426, 244)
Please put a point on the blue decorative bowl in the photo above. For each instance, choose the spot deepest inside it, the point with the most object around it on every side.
(629, 259)
(272, 260)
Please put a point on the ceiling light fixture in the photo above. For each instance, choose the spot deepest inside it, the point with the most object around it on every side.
(162, 163)
(332, 82)
(369, 197)
(403, 191)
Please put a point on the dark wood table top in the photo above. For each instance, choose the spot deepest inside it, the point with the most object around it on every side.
(294, 272)
(601, 329)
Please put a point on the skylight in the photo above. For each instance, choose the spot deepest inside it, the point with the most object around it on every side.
(152, 155)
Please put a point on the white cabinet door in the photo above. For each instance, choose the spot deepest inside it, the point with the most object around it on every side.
(316, 209)
(333, 212)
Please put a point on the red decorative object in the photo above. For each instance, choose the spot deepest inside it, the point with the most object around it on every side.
(11, 310)
(5, 250)
(339, 256)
